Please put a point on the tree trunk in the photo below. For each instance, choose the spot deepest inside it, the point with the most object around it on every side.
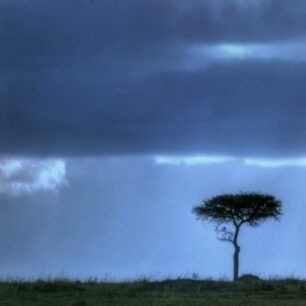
(236, 252)
(236, 263)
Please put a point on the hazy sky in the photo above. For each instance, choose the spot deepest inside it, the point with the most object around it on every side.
(116, 117)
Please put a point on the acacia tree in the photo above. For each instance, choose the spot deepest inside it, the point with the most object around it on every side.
(231, 211)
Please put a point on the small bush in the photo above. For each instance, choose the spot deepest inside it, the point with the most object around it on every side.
(249, 278)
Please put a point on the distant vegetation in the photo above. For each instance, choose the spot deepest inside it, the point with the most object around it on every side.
(230, 211)
(179, 292)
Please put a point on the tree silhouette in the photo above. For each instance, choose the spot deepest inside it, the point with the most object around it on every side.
(231, 211)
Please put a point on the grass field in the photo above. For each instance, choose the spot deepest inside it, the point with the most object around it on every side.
(180, 292)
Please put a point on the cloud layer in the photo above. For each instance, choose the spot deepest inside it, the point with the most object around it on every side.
(19, 176)
(212, 160)
(82, 78)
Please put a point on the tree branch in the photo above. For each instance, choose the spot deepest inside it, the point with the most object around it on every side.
(224, 234)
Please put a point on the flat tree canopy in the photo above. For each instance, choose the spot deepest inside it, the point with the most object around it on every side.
(249, 207)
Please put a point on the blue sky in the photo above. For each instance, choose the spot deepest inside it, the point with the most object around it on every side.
(130, 216)
(117, 118)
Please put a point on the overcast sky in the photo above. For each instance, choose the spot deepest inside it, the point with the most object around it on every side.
(117, 117)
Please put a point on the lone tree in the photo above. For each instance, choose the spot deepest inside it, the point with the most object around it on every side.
(231, 211)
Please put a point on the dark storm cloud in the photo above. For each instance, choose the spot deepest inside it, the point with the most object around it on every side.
(234, 109)
(76, 28)
(112, 78)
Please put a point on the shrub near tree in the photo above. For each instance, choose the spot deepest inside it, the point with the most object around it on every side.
(231, 211)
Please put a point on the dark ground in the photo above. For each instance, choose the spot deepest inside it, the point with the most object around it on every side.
(180, 292)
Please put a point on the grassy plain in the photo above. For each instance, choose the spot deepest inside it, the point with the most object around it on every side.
(179, 292)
